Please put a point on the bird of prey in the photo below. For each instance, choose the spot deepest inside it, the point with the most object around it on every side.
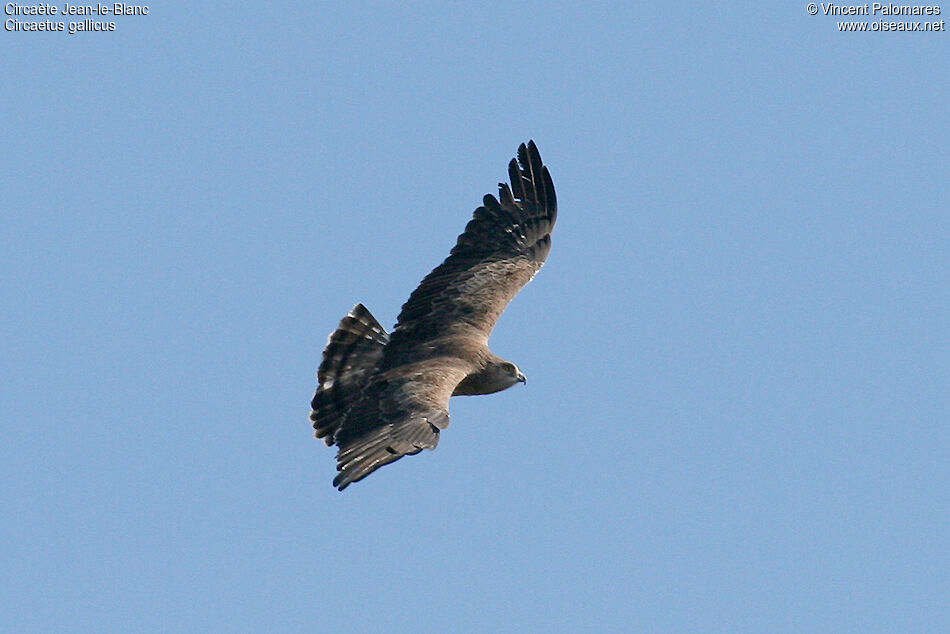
(383, 396)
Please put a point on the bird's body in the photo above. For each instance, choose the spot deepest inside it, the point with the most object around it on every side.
(382, 396)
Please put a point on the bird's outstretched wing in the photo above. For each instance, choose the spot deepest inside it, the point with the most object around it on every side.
(399, 414)
(501, 249)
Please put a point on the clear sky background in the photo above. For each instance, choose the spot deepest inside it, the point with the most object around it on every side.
(736, 418)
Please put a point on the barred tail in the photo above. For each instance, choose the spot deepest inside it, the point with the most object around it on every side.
(349, 360)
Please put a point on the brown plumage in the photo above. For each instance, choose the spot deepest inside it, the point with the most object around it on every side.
(380, 396)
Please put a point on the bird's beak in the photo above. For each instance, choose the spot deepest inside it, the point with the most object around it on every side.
(522, 378)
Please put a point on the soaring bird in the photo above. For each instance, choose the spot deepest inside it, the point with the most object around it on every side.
(382, 396)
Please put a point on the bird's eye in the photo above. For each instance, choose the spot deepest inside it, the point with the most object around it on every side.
(509, 368)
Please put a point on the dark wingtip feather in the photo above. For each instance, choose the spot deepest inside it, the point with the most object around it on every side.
(550, 198)
(527, 167)
(514, 175)
(504, 193)
(523, 154)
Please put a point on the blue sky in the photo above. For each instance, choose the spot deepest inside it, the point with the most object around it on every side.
(736, 418)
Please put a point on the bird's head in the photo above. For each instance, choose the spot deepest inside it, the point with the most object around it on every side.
(497, 375)
(510, 373)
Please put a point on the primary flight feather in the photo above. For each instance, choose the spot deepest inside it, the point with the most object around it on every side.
(383, 396)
